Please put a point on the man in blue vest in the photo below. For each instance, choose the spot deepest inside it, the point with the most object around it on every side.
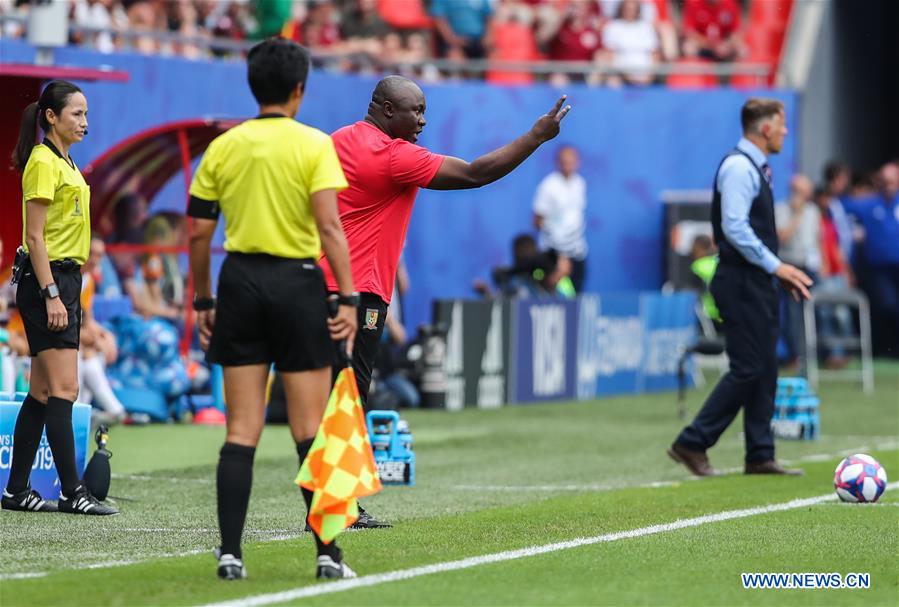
(745, 291)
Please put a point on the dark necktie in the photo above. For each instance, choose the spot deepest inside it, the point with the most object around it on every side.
(766, 169)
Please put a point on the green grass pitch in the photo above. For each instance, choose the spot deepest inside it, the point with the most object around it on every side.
(488, 482)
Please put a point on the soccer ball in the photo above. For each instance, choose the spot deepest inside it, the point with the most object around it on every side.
(860, 478)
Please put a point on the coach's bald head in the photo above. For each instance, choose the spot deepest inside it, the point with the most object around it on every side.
(397, 107)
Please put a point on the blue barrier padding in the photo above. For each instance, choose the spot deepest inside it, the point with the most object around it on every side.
(43, 473)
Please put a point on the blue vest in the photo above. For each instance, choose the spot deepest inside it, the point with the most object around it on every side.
(761, 218)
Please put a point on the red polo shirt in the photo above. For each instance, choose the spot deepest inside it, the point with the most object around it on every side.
(384, 176)
(714, 20)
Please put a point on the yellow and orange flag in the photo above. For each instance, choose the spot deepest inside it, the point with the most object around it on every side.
(340, 467)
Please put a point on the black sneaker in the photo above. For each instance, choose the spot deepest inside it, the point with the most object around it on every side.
(82, 502)
(28, 500)
(367, 521)
(230, 567)
(328, 568)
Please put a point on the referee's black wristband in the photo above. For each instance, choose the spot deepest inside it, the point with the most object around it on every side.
(349, 300)
(202, 304)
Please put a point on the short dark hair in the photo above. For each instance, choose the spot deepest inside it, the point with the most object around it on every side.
(274, 69)
(833, 169)
(562, 148)
(757, 109)
(523, 241)
(703, 241)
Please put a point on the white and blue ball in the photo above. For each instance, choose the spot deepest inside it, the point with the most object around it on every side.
(860, 478)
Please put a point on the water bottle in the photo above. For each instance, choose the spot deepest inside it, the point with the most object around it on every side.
(97, 475)
(405, 437)
(24, 372)
(7, 369)
(380, 441)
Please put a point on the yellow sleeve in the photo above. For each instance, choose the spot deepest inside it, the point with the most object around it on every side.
(327, 173)
(38, 179)
(204, 184)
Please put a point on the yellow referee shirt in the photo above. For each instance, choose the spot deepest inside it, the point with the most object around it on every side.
(261, 174)
(49, 177)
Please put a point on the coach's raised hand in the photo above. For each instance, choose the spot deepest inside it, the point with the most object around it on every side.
(457, 174)
(548, 125)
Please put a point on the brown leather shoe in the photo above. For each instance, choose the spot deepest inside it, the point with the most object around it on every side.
(771, 467)
(695, 461)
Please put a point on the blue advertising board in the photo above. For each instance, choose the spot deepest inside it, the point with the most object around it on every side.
(43, 473)
(610, 345)
(669, 325)
(545, 353)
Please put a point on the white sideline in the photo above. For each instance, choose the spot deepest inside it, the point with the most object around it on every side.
(511, 555)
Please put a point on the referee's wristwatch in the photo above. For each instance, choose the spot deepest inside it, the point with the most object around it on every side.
(51, 291)
(349, 300)
(201, 304)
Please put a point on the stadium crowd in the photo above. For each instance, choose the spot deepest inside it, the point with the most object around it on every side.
(628, 37)
(843, 233)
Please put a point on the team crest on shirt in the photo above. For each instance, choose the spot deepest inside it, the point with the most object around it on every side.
(371, 319)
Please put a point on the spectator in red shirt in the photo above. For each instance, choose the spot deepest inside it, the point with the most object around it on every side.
(320, 30)
(835, 277)
(578, 35)
(712, 29)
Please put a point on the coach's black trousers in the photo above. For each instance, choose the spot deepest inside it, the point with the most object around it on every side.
(372, 316)
(748, 301)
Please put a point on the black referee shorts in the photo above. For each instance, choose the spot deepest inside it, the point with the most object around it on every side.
(33, 309)
(271, 310)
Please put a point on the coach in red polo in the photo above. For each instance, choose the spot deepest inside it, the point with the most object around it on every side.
(385, 168)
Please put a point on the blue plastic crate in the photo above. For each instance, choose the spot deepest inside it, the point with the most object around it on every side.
(391, 443)
(796, 410)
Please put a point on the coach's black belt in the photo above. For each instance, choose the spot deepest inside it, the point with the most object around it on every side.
(65, 265)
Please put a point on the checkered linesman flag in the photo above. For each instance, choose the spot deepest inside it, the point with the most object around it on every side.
(340, 467)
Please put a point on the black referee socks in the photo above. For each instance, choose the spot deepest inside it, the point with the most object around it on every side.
(234, 479)
(303, 448)
(62, 442)
(26, 440)
(321, 548)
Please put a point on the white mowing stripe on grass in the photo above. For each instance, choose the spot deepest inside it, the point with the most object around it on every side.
(511, 555)
(169, 479)
(815, 457)
(584, 487)
(274, 535)
(21, 576)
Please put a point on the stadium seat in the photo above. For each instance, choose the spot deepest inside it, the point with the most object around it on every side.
(770, 12)
(747, 81)
(513, 42)
(692, 81)
(662, 10)
(766, 31)
(404, 14)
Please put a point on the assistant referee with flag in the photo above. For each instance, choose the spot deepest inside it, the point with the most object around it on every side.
(275, 181)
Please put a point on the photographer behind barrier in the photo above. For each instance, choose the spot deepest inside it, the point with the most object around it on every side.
(533, 273)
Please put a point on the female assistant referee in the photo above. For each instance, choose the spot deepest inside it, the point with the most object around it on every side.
(57, 236)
